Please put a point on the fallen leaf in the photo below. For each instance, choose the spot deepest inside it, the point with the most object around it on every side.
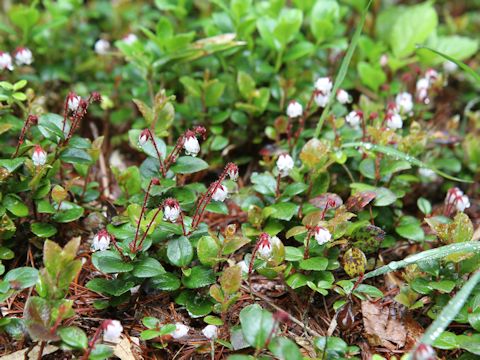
(381, 328)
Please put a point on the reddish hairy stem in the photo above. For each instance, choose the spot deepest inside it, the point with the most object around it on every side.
(146, 231)
(152, 139)
(145, 199)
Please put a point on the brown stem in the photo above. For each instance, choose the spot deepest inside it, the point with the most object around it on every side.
(145, 199)
(146, 231)
(306, 253)
(277, 189)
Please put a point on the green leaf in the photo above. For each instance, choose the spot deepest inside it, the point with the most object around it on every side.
(198, 305)
(231, 280)
(199, 276)
(246, 84)
(180, 251)
(324, 19)
(208, 250)
(397, 154)
(285, 349)
(114, 287)
(76, 156)
(281, 211)
(371, 76)
(51, 125)
(342, 72)
(412, 26)
(6, 253)
(410, 228)
(450, 311)
(314, 263)
(424, 205)
(15, 205)
(189, 165)
(165, 282)
(148, 267)
(101, 352)
(68, 212)
(257, 324)
(22, 277)
(44, 230)
(74, 337)
(110, 262)
(12, 164)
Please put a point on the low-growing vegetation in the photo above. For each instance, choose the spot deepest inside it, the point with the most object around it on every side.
(238, 179)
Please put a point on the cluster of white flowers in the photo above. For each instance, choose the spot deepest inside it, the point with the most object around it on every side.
(323, 89)
(102, 46)
(424, 84)
(22, 55)
(456, 197)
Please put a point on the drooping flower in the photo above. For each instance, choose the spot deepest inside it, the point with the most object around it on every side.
(221, 193)
(112, 331)
(324, 85)
(294, 109)
(393, 120)
(456, 197)
(180, 331)
(422, 86)
(73, 101)
(191, 144)
(101, 240)
(143, 137)
(449, 67)
(343, 97)
(232, 171)
(404, 102)
(265, 246)
(171, 210)
(5, 61)
(102, 47)
(284, 164)
(427, 174)
(210, 332)
(354, 118)
(424, 352)
(130, 39)
(431, 75)
(322, 235)
(39, 156)
(384, 60)
(23, 56)
(321, 99)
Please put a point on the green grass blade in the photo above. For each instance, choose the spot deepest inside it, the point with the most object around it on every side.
(397, 154)
(342, 72)
(467, 69)
(449, 312)
(427, 255)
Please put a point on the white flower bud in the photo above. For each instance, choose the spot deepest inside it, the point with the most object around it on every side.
(39, 156)
(322, 235)
(171, 210)
(294, 109)
(394, 120)
(73, 102)
(210, 332)
(354, 119)
(191, 145)
(101, 241)
(320, 99)
(449, 67)
(23, 56)
(404, 102)
(284, 164)
(180, 331)
(113, 331)
(343, 97)
(324, 85)
(130, 39)
(102, 47)
(5, 61)
(220, 194)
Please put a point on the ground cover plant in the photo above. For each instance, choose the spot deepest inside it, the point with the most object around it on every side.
(237, 179)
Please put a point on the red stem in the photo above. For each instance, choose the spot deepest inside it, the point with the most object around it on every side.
(146, 232)
(145, 199)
